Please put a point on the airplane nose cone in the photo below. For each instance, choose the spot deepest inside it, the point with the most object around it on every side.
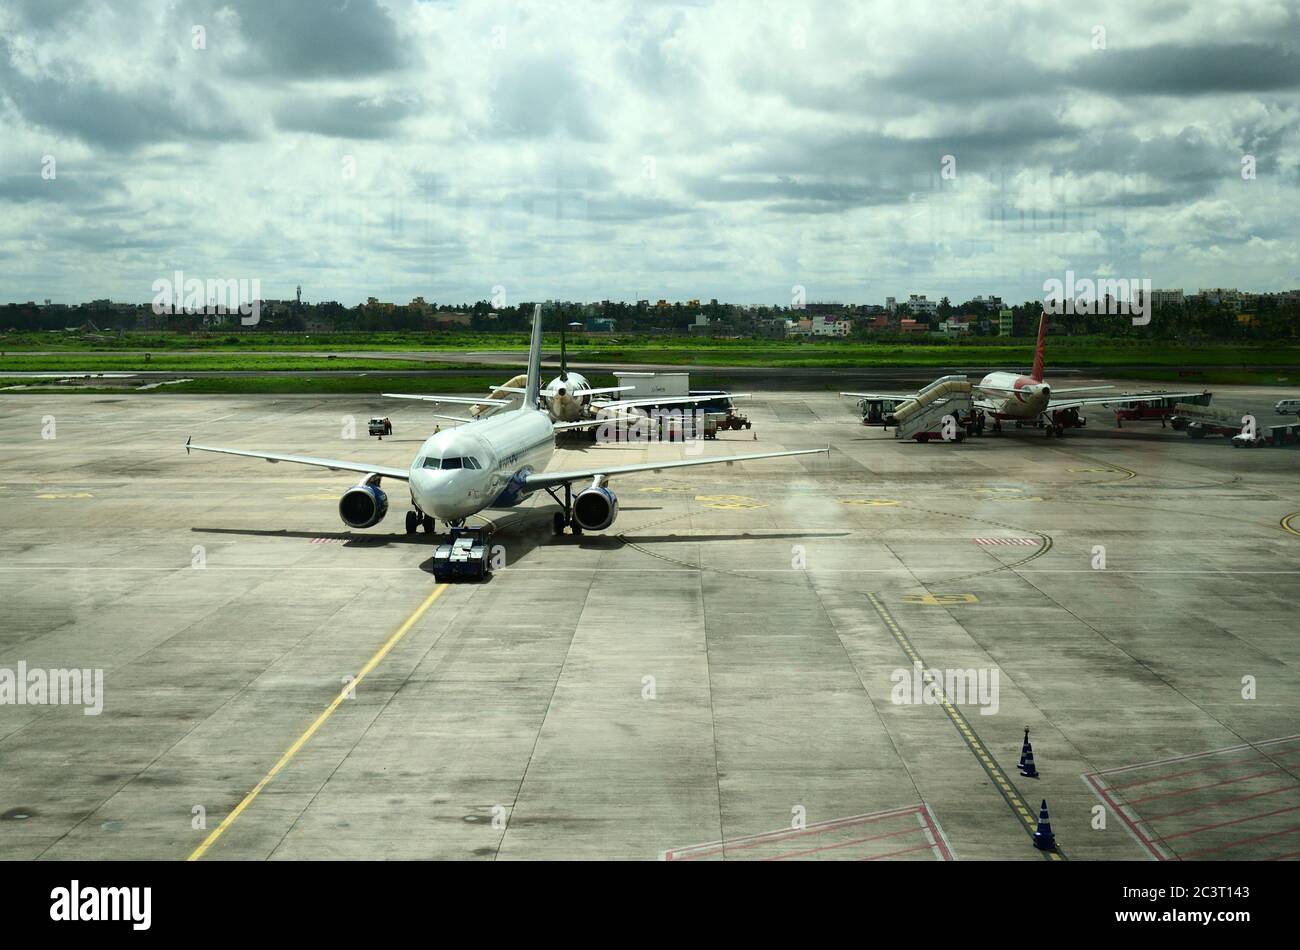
(443, 494)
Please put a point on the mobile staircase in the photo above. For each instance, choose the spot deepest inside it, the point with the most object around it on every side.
(921, 417)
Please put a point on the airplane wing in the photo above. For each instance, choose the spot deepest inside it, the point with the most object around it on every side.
(464, 400)
(439, 415)
(332, 464)
(1118, 399)
(581, 424)
(896, 396)
(603, 420)
(1055, 391)
(603, 389)
(541, 480)
(655, 401)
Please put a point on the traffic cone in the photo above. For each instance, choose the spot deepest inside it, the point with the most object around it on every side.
(1024, 749)
(1027, 768)
(1044, 840)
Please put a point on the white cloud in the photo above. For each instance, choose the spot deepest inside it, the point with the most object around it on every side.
(588, 150)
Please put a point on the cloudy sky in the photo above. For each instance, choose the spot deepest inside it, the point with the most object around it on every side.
(627, 148)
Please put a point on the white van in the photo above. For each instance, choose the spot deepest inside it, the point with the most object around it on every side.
(1287, 405)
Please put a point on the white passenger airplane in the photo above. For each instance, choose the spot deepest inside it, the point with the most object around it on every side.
(1020, 398)
(569, 397)
(495, 462)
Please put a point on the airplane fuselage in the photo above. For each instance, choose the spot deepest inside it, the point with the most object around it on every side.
(1014, 395)
(565, 399)
(459, 472)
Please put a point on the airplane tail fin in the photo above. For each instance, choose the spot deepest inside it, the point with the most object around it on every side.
(1040, 350)
(533, 388)
(564, 362)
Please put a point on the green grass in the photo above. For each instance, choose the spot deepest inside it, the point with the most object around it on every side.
(215, 362)
(371, 385)
(1060, 352)
(670, 350)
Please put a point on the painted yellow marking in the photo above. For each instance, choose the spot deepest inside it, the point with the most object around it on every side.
(872, 502)
(302, 740)
(55, 495)
(1286, 523)
(990, 765)
(940, 600)
(729, 502)
(991, 490)
(1015, 498)
(1115, 470)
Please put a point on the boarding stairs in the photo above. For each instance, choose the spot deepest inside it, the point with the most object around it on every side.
(924, 412)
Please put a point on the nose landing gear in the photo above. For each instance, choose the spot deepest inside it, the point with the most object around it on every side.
(414, 519)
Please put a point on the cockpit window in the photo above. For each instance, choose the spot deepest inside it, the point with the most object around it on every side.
(467, 461)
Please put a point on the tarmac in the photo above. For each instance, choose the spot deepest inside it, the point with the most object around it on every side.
(727, 673)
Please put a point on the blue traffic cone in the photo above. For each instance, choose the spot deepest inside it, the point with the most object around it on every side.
(1044, 840)
(1024, 748)
(1027, 763)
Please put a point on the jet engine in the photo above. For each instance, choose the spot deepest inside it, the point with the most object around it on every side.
(595, 508)
(363, 506)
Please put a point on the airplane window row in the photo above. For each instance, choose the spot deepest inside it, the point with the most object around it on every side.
(466, 462)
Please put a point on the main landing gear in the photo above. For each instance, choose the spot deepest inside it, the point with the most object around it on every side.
(564, 519)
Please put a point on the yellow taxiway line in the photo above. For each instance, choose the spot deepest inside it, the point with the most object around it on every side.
(302, 740)
(1025, 813)
(1286, 523)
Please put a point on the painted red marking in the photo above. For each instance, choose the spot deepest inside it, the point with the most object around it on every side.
(934, 833)
(1198, 788)
(1119, 810)
(844, 844)
(1236, 844)
(1223, 801)
(1224, 824)
(891, 854)
(926, 825)
(1208, 768)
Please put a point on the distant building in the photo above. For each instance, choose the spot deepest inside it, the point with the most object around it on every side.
(918, 304)
(1166, 298)
(1230, 297)
(1005, 322)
